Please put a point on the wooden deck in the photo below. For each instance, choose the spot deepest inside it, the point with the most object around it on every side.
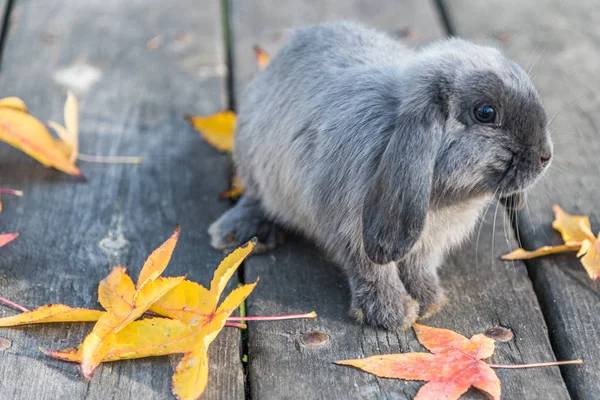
(132, 103)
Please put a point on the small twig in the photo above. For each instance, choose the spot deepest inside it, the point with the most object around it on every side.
(110, 159)
(235, 325)
(544, 364)
(13, 304)
(311, 314)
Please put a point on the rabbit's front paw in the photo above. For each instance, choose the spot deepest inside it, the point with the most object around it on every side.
(386, 307)
(245, 220)
(422, 284)
(427, 310)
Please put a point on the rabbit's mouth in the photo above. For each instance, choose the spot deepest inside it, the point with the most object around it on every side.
(521, 172)
(515, 201)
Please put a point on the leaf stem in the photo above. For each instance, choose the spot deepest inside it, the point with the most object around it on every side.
(13, 304)
(311, 314)
(235, 325)
(110, 159)
(543, 364)
(12, 191)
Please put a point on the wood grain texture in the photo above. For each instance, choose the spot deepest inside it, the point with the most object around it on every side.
(72, 232)
(296, 278)
(558, 41)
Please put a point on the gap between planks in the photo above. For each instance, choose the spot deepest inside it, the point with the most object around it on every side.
(231, 105)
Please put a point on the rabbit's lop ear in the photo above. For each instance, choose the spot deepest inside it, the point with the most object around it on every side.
(396, 204)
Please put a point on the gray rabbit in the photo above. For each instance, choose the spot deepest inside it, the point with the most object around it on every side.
(383, 155)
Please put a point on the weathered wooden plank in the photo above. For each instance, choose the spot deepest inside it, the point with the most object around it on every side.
(295, 278)
(558, 42)
(133, 97)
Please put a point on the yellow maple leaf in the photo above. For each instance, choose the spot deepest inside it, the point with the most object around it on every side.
(522, 254)
(28, 134)
(590, 252)
(197, 320)
(217, 129)
(125, 302)
(69, 133)
(14, 103)
(51, 313)
(569, 225)
(577, 234)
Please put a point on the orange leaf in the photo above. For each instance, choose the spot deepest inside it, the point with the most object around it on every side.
(191, 374)
(187, 302)
(216, 129)
(52, 313)
(125, 303)
(123, 308)
(227, 268)
(590, 257)
(26, 133)
(70, 355)
(262, 58)
(116, 291)
(569, 225)
(144, 338)
(450, 370)
(521, 254)
(13, 102)
(159, 259)
(6, 238)
(237, 189)
(197, 318)
(69, 133)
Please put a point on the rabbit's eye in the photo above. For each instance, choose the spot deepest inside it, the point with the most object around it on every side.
(485, 114)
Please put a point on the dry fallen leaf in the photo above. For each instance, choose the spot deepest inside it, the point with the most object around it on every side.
(28, 134)
(577, 234)
(590, 252)
(452, 367)
(6, 238)
(69, 133)
(569, 225)
(237, 189)
(521, 254)
(14, 103)
(51, 313)
(197, 320)
(216, 129)
(125, 302)
(262, 57)
(68, 142)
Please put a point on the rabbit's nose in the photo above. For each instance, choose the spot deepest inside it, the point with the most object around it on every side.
(546, 153)
(545, 159)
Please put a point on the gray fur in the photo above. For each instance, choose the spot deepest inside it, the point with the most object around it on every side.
(371, 150)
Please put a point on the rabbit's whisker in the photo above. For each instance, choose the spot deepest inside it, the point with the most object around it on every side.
(494, 230)
(482, 220)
